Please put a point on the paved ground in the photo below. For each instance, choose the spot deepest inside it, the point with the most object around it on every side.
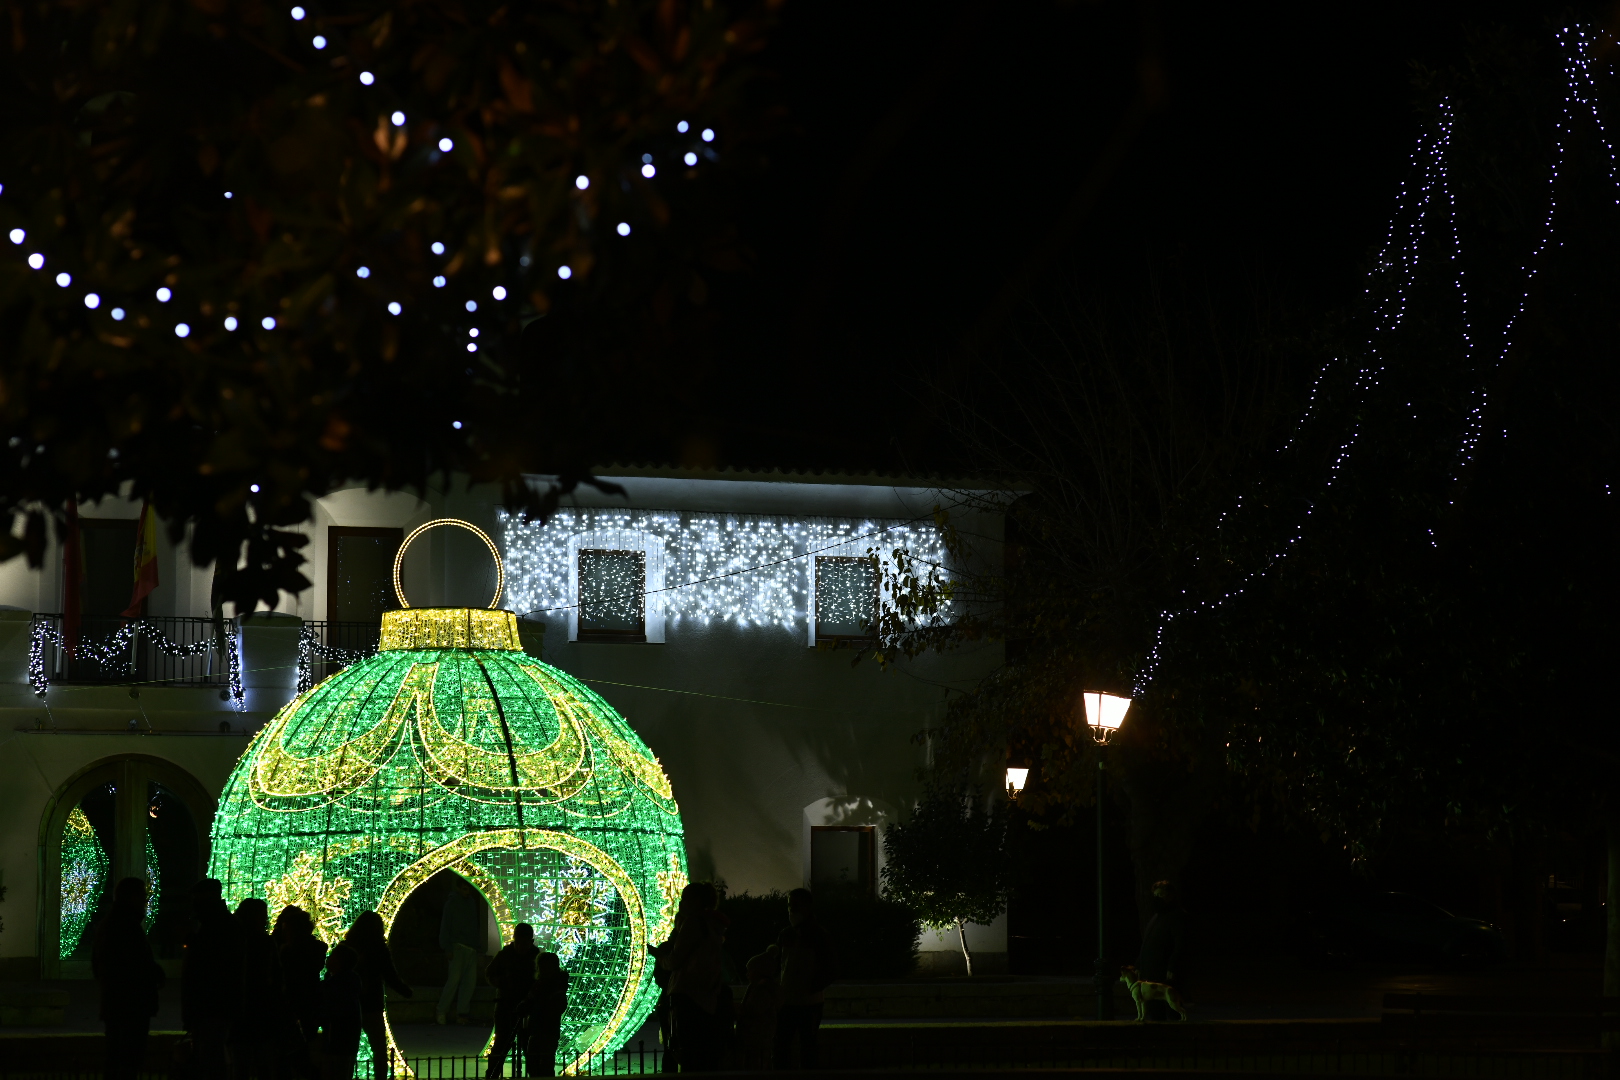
(1229, 990)
(1258, 990)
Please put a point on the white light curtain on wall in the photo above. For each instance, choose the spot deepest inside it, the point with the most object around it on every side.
(751, 569)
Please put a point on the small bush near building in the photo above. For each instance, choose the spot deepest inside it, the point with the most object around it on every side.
(875, 938)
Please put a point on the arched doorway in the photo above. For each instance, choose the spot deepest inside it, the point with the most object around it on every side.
(129, 816)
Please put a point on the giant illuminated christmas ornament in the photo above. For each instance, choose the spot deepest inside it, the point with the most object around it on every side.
(452, 749)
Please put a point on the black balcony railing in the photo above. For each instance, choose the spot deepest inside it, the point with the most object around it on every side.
(168, 650)
(326, 647)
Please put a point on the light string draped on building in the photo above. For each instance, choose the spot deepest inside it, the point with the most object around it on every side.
(114, 653)
(751, 569)
(1580, 89)
(310, 649)
(1397, 262)
(165, 310)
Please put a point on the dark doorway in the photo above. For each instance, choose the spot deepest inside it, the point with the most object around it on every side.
(109, 567)
(843, 856)
(360, 573)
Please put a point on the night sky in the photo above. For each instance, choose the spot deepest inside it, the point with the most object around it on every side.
(942, 168)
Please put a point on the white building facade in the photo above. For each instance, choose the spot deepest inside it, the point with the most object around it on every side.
(720, 612)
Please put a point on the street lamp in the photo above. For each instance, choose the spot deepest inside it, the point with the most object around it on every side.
(1104, 714)
(1016, 779)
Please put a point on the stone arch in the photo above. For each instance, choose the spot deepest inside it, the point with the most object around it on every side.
(130, 774)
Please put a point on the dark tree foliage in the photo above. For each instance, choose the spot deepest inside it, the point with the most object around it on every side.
(875, 937)
(126, 124)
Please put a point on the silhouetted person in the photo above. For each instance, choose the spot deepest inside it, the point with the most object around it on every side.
(366, 938)
(340, 1013)
(543, 1011)
(808, 965)
(211, 980)
(254, 1028)
(512, 973)
(756, 1020)
(300, 955)
(462, 937)
(130, 979)
(1164, 942)
(694, 960)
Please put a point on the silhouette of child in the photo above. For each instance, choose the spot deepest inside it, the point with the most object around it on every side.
(756, 1020)
(340, 1013)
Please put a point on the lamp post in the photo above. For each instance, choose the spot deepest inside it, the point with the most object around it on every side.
(1104, 714)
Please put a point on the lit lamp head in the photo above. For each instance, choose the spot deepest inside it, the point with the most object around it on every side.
(1104, 714)
(1016, 778)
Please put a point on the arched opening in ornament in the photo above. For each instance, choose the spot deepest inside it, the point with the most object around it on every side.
(416, 942)
(583, 906)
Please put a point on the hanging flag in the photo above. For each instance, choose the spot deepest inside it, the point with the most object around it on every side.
(72, 578)
(146, 570)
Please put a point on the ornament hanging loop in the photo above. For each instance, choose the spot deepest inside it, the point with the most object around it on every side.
(494, 553)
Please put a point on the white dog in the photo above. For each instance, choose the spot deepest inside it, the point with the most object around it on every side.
(1144, 992)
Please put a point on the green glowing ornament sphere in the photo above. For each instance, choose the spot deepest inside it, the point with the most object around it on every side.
(453, 749)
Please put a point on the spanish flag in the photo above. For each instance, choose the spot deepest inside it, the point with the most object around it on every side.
(146, 570)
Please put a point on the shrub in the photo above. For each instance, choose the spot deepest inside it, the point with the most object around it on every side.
(875, 938)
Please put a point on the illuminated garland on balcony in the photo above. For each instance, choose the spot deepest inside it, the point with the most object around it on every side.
(466, 755)
(112, 653)
(310, 649)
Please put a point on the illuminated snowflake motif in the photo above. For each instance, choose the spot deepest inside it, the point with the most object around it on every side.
(572, 909)
(304, 886)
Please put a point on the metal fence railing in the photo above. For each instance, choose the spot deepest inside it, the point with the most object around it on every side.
(642, 1060)
(1493, 1065)
(627, 1062)
(171, 650)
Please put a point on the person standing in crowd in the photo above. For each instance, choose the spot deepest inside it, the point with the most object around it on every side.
(300, 955)
(547, 1001)
(340, 1014)
(756, 1020)
(694, 959)
(211, 980)
(808, 966)
(1164, 941)
(253, 1028)
(512, 973)
(462, 937)
(366, 938)
(130, 978)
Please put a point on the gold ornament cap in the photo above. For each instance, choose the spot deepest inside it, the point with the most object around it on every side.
(449, 628)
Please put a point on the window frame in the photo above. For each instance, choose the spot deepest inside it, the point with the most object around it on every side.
(877, 597)
(601, 634)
